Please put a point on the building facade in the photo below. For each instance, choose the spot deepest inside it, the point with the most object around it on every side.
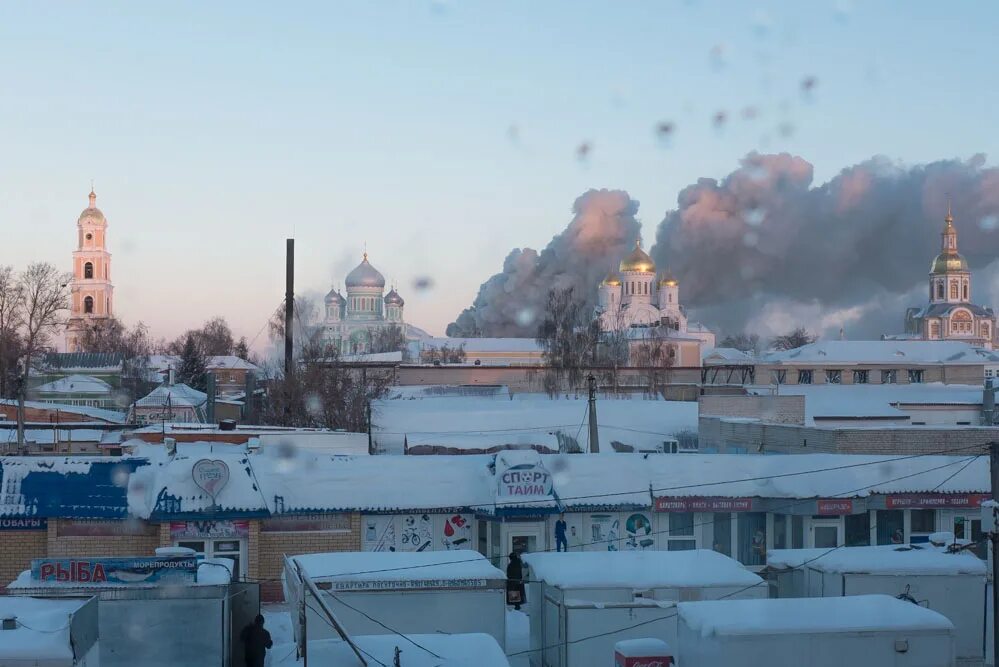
(353, 321)
(92, 293)
(637, 297)
(950, 314)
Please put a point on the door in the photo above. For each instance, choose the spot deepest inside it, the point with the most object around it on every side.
(219, 548)
(826, 534)
(521, 539)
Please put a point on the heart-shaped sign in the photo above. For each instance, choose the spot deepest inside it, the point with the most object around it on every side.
(211, 476)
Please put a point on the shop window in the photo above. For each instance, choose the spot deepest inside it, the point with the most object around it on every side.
(780, 531)
(484, 538)
(889, 376)
(922, 523)
(804, 376)
(797, 532)
(890, 526)
(834, 376)
(721, 540)
(752, 538)
(861, 376)
(858, 529)
(681, 532)
(915, 375)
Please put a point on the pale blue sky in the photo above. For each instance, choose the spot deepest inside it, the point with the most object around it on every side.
(214, 131)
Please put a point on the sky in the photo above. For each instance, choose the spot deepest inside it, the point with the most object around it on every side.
(438, 135)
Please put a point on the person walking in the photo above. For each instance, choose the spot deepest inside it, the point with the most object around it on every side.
(561, 543)
(515, 593)
(256, 641)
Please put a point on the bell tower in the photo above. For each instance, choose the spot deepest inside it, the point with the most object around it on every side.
(92, 293)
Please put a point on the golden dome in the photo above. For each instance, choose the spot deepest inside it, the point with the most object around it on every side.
(612, 279)
(638, 260)
(949, 261)
(668, 281)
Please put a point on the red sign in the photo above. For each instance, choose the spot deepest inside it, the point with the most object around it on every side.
(935, 500)
(700, 504)
(660, 661)
(835, 507)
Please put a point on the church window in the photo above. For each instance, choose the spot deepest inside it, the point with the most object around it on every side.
(985, 331)
(89, 236)
(940, 290)
(645, 288)
(965, 291)
(669, 297)
(88, 305)
(953, 289)
(88, 270)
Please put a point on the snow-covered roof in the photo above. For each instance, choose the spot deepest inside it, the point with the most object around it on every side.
(75, 384)
(397, 566)
(229, 362)
(884, 352)
(110, 416)
(700, 568)
(175, 395)
(89, 362)
(886, 559)
(373, 357)
(484, 345)
(411, 392)
(851, 613)
(50, 436)
(42, 632)
(65, 486)
(480, 443)
(640, 423)
(726, 355)
(457, 650)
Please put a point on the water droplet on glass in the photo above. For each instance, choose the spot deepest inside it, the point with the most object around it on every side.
(717, 56)
(583, 151)
(313, 405)
(750, 239)
(421, 283)
(719, 118)
(808, 84)
(754, 216)
(750, 113)
(525, 317)
(119, 476)
(989, 223)
(785, 129)
(513, 133)
(664, 129)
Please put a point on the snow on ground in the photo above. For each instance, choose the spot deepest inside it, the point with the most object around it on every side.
(42, 632)
(518, 637)
(885, 559)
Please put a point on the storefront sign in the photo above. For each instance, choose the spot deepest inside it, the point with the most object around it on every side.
(34, 523)
(181, 530)
(307, 523)
(935, 500)
(523, 480)
(699, 504)
(115, 570)
(834, 507)
(405, 584)
(210, 476)
(99, 528)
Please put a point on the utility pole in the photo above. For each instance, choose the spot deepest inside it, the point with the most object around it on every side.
(994, 538)
(591, 383)
(289, 305)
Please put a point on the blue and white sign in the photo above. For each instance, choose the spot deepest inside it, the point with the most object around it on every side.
(152, 570)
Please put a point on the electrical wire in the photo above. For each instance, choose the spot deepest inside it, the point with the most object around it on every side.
(322, 616)
(390, 629)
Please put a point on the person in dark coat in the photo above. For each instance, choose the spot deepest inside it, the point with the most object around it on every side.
(515, 593)
(256, 641)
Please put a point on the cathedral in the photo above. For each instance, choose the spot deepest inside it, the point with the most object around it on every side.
(91, 297)
(637, 297)
(352, 320)
(950, 315)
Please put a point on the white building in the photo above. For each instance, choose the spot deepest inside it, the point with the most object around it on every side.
(92, 295)
(352, 320)
(950, 315)
(636, 296)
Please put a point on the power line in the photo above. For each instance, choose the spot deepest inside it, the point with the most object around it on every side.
(325, 620)
(390, 629)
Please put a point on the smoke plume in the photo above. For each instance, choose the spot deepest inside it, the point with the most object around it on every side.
(603, 229)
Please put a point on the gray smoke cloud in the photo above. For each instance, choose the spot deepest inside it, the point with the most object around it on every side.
(764, 249)
(603, 229)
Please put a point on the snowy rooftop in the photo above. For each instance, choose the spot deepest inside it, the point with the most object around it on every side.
(398, 566)
(228, 362)
(460, 650)
(483, 345)
(110, 416)
(887, 352)
(888, 559)
(639, 569)
(726, 355)
(176, 395)
(74, 384)
(42, 633)
(852, 613)
(373, 357)
(480, 443)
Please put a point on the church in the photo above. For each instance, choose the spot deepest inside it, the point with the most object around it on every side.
(352, 321)
(92, 294)
(637, 298)
(950, 315)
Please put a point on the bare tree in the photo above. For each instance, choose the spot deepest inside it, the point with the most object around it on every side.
(745, 342)
(213, 339)
(612, 346)
(307, 328)
(444, 354)
(656, 355)
(568, 339)
(390, 338)
(43, 298)
(10, 325)
(797, 338)
(134, 345)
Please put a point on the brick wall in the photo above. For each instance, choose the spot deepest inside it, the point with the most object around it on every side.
(101, 545)
(271, 548)
(47, 415)
(19, 547)
(775, 409)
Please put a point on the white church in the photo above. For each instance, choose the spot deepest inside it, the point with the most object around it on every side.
(637, 298)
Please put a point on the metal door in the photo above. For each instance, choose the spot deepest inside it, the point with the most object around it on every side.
(244, 605)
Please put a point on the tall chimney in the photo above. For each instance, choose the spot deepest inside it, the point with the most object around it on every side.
(289, 305)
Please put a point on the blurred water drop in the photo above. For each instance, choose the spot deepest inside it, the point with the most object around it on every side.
(583, 151)
(717, 56)
(119, 476)
(843, 10)
(526, 317)
(750, 239)
(313, 405)
(719, 118)
(763, 23)
(785, 129)
(747, 272)
(750, 113)
(754, 216)
(513, 133)
(756, 170)
(989, 223)
(422, 283)
(808, 84)
(664, 129)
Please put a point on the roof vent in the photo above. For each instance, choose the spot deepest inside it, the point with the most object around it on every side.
(227, 425)
(9, 623)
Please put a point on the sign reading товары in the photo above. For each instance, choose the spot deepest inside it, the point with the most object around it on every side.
(156, 569)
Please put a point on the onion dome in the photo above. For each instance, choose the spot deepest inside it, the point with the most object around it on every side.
(393, 299)
(638, 260)
(612, 280)
(667, 280)
(92, 214)
(334, 297)
(949, 259)
(365, 275)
